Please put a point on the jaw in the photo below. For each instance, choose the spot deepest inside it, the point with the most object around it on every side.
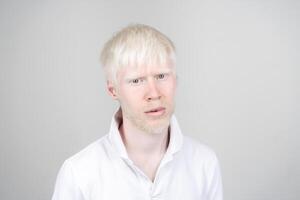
(149, 124)
(150, 120)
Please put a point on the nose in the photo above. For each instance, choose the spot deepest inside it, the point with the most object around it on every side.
(153, 92)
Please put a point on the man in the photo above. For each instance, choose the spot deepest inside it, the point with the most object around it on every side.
(144, 155)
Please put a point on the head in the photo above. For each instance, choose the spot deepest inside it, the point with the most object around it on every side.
(139, 63)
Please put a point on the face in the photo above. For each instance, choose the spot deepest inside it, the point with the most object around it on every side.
(146, 95)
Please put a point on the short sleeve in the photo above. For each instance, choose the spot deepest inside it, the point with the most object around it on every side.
(66, 187)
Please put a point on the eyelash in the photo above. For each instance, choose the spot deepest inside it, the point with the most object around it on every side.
(161, 78)
(138, 81)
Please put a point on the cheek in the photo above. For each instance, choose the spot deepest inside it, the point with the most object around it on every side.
(170, 89)
(131, 97)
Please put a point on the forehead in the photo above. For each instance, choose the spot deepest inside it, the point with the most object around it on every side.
(145, 70)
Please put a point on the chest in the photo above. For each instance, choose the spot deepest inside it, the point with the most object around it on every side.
(124, 181)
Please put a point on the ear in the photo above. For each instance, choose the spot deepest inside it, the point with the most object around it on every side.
(111, 89)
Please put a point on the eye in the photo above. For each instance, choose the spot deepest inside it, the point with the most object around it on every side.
(161, 76)
(136, 81)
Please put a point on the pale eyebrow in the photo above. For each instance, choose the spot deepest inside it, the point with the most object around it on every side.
(164, 72)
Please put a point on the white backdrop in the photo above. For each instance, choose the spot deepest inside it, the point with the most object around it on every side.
(238, 65)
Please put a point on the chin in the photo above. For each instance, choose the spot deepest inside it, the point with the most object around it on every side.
(152, 125)
(157, 127)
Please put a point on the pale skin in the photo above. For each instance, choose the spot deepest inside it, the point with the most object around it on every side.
(146, 96)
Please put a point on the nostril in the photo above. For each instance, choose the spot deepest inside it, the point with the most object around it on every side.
(153, 97)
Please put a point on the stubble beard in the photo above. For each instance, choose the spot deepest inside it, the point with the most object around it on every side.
(147, 125)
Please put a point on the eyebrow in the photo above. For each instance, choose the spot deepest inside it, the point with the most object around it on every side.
(137, 76)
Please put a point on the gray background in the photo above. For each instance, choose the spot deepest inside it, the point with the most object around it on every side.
(238, 87)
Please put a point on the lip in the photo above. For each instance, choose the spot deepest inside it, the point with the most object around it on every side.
(156, 111)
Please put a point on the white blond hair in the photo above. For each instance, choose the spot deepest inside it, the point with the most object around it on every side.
(136, 45)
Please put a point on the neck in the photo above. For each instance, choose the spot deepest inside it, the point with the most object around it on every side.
(140, 142)
(145, 149)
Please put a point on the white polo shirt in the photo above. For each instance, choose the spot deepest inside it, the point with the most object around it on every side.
(103, 171)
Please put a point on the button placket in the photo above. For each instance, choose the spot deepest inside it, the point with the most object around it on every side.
(144, 181)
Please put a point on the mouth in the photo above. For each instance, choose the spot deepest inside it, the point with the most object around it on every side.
(156, 111)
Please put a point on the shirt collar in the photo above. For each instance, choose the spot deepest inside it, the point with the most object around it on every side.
(175, 142)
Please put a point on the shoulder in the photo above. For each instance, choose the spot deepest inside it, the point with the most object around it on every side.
(194, 146)
(204, 165)
(197, 152)
(80, 171)
(89, 159)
